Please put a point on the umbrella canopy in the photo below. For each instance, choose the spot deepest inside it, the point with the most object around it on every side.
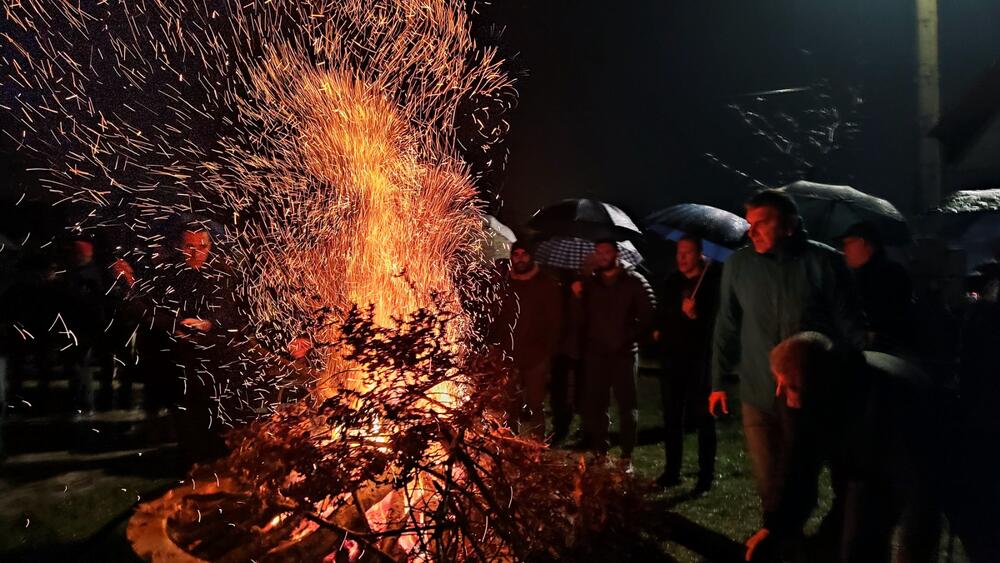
(571, 252)
(497, 238)
(709, 249)
(971, 217)
(720, 231)
(828, 211)
(584, 218)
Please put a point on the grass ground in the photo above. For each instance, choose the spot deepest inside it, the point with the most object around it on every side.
(81, 515)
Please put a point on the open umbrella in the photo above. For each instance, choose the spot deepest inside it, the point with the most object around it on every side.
(828, 211)
(970, 217)
(584, 218)
(497, 238)
(720, 231)
(571, 252)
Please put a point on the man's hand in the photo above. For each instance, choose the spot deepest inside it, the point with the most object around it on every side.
(754, 542)
(299, 347)
(714, 399)
(201, 325)
(577, 288)
(657, 336)
(688, 308)
(123, 269)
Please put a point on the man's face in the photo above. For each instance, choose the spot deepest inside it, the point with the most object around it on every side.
(789, 390)
(688, 257)
(521, 261)
(83, 252)
(857, 252)
(195, 245)
(767, 229)
(605, 256)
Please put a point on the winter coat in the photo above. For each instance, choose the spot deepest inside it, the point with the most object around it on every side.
(617, 313)
(529, 323)
(887, 297)
(765, 298)
(685, 343)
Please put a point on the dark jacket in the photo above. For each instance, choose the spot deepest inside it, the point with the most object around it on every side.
(529, 323)
(686, 343)
(176, 292)
(765, 298)
(887, 297)
(617, 314)
(880, 422)
(81, 296)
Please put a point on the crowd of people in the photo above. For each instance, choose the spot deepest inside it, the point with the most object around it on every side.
(831, 352)
(837, 367)
(169, 324)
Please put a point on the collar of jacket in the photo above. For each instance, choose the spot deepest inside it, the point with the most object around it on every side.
(792, 248)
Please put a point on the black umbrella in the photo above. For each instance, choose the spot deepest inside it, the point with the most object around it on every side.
(584, 218)
(719, 230)
(828, 211)
(970, 217)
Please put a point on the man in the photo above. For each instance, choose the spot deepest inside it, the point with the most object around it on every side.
(191, 353)
(618, 307)
(81, 299)
(883, 422)
(884, 286)
(780, 285)
(527, 329)
(687, 309)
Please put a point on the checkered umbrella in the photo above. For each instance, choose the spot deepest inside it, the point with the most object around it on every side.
(570, 253)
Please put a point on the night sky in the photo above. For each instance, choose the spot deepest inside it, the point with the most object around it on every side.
(623, 100)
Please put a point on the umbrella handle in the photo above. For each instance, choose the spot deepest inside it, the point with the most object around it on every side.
(701, 278)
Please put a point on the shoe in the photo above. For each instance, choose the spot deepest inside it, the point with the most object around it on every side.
(668, 480)
(627, 467)
(703, 485)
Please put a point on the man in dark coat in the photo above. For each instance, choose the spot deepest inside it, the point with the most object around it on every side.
(527, 329)
(778, 286)
(82, 290)
(687, 310)
(882, 422)
(885, 289)
(191, 352)
(618, 306)
(975, 493)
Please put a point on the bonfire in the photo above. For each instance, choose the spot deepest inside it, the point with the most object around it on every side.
(328, 138)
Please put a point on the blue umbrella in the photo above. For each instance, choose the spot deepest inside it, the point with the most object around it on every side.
(710, 249)
(720, 231)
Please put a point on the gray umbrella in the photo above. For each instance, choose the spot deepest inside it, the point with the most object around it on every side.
(971, 217)
(828, 211)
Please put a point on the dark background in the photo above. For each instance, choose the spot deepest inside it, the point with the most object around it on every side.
(623, 100)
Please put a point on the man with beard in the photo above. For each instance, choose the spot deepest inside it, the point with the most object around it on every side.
(618, 307)
(688, 306)
(780, 285)
(527, 329)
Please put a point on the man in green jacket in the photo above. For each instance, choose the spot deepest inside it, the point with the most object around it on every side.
(780, 285)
